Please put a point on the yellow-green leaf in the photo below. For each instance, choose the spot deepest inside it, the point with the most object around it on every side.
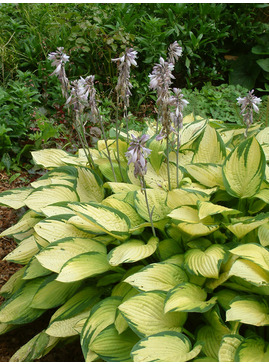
(145, 314)
(166, 346)
(132, 251)
(251, 310)
(188, 297)
(157, 276)
(84, 266)
(58, 253)
(244, 169)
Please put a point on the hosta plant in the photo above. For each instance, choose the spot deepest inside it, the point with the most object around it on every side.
(197, 290)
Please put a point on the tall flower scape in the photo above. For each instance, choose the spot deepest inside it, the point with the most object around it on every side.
(151, 245)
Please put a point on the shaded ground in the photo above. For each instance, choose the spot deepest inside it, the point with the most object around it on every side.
(13, 340)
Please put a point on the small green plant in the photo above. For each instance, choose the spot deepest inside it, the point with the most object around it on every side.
(163, 259)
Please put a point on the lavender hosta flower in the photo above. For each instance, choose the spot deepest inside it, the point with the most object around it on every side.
(137, 153)
(59, 58)
(174, 52)
(248, 104)
(179, 103)
(161, 79)
(124, 66)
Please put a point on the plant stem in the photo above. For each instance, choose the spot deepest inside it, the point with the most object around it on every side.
(178, 145)
(108, 151)
(117, 136)
(147, 203)
(167, 157)
(83, 141)
(126, 119)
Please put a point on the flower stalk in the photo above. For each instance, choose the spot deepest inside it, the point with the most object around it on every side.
(137, 154)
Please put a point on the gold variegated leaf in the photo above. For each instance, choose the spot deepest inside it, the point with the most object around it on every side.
(166, 346)
(252, 349)
(205, 263)
(156, 201)
(185, 196)
(49, 158)
(228, 347)
(209, 175)
(251, 310)
(15, 198)
(188, 297)
(210, 148)
(244, 169)
(108, 219)
(24, 252)
(253, 252)
(111, 346)
(250, 272)
(89, 186)
(83, 266)
(102, 315)
(58, 253)
(145, 314)
(263, 234)
(53, 230)
(207, 208)
(132, 251)
(44, 196)
(157, 276)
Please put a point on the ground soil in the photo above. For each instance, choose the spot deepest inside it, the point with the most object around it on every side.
(13, 340)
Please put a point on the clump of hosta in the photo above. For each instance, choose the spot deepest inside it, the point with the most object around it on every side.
(140, 270)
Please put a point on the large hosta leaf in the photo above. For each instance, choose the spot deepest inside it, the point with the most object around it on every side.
(49, 158)
(145, 314)
(244, 169)
(187, 220)
(24, 252)
(184, 196)
(83, 266)
(211, 148)
(110, 220)
(166, 346)
(209, 175)
(102, 315)
(126, 208)
(188, 297)
(252, 310)
(61, 292)
(263, 234)
(157, 204)
(89, 186)
(111, 346)
(25, 224)
(35, 348)
(77, 308)
(243, 225)
(48, 195)
(157, 276)
(132, 251)
(15, 198)
(250, 272)
(17, 309)
(228, 347)
(159, 179)
(252, 349)
(205, 263)
(58, 253)
(209, 209)
(254, 252)
(53, 229)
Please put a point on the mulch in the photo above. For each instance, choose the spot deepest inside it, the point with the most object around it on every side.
(13, 340)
